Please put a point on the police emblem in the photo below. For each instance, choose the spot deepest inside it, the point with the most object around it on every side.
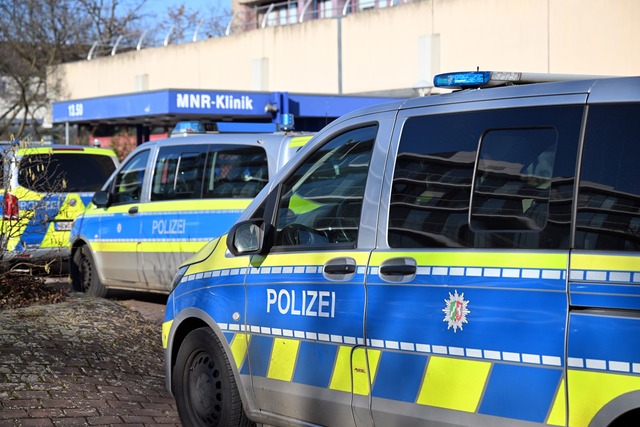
(455, 311)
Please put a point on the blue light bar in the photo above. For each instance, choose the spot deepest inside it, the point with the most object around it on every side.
(462, 80)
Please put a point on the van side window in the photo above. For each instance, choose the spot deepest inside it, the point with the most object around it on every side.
(235, 172)
(178, 173)
(127, 186)
(518, 195)
(608, 216)
(512, 182)
(209, 171)
(432, 182)
(321, 202)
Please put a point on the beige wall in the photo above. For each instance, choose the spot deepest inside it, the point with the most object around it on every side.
(384, 49)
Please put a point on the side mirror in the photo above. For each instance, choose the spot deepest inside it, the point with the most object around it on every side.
(101, 199)
(246, 238)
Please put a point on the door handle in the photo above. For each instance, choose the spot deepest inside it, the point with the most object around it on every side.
(398, 270)
(339, 269)
(133, 210)
(342, 268)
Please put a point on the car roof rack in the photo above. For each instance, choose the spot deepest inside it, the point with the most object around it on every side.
(481, 79)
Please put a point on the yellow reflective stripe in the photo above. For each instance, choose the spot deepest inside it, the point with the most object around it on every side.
(47, 149)
(55, 239)
(205, 251)
(239, 346)
(283, 359)
(469, 258)
(114, 246)
(298, 205)
(70, 210)
(218, 260)
(454, 383)
(589, 391)
(341, 376)
(299, 141)
(170, 246)
(190, 205)
(166, 328)
(342, 372)
(361, 379)
(311, 258)
(605, 262)
(175, 206)
(558, 413)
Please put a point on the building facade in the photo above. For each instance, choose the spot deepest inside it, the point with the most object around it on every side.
(372, 47)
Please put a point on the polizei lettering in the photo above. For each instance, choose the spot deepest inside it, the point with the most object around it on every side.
(221, 102)
(302, 302)
(168, 226)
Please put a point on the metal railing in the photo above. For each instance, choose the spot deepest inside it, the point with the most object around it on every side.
(249, 18)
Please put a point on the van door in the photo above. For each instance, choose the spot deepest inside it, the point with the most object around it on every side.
(116, 246)
(467, 301)
(604, 343)
(306, 296)
(172, 214)
(197, 192)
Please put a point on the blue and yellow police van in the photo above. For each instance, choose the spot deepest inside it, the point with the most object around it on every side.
(166, 200)
(469, 258)
(44, 187)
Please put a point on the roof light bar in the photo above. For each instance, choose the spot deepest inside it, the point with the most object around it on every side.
(462, 80)
(478, 79)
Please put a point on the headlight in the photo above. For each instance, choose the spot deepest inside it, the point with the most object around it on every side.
(178, 277)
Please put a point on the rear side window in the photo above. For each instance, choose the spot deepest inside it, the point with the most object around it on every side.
(235, 172)
(512, 182)
(64, 172)
(486, 179)
(608, 216)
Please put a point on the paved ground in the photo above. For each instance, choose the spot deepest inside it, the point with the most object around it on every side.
(85, 361)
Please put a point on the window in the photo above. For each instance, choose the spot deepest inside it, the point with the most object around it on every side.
(64, 172)
(609, 193)
(210, 172)
(513, 180)
(517, 177)
(235, 172)
(321, 203)
(127, 186)
(325, 8)
(178, 173)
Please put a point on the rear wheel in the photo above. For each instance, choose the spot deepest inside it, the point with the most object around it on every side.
(203, 383)
(84, 277)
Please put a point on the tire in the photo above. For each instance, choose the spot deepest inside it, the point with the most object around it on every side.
(84, 277)
(204, 387)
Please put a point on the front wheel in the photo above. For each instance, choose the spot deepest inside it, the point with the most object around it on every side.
(84, 277)
(203, 383)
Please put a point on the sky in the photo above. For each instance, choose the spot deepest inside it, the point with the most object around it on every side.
(159, 6)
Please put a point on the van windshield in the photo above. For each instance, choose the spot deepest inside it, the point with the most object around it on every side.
(64, 172)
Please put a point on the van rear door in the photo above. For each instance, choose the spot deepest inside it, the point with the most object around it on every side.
(604, 344)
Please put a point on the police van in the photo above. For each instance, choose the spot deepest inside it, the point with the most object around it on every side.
(44, 187)
(167, 199)
(471, 258)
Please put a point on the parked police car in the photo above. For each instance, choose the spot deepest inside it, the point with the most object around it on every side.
(167, 199)
(471, 258)
(44, 187)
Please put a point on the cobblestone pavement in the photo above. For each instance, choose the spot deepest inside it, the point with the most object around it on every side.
(85, 361)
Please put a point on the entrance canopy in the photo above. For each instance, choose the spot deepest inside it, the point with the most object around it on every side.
(167, 107)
